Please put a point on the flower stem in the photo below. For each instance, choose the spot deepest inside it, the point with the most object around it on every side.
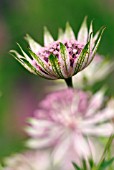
(69, 82)
(108, 145)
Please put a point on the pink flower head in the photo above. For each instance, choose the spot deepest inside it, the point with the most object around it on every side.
(64, 57)
(66, 120)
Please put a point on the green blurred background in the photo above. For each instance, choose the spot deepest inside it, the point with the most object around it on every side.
(20, 91)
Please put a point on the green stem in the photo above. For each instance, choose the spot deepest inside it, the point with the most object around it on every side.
(69, 82)
(108, 145)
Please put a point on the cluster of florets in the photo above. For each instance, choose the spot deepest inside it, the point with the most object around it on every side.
(73, 48)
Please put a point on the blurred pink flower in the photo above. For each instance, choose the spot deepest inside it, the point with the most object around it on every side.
(66, 120)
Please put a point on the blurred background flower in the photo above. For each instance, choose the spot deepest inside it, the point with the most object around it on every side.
(71, 122)
(20, 91)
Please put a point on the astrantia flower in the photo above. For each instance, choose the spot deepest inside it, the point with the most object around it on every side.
(65, 120)
(30, 160)
(100, 68)
(62, 58)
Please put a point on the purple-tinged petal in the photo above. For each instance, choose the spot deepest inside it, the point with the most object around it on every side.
(95, 103)
(48, 39)
(41, 66)
(54, 61)
(105, 129)
(34, 46)
(82, 147)
(69, 34)
(101, 116)
(60, 35)
(96, 44)
(21, 60)
(64, 60)
(83, 32)
(84, 55)
(60, 150)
